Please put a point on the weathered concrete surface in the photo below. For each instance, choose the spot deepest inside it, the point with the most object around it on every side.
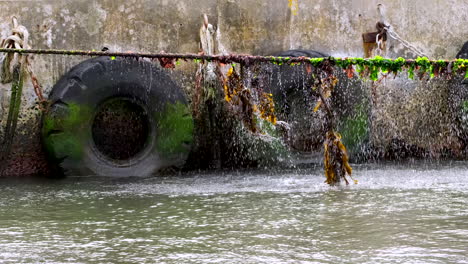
(416, 113)
(245, 26)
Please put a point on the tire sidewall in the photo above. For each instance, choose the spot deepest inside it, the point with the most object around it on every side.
(97, 80)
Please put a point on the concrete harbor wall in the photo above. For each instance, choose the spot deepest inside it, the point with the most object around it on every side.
(417, 112)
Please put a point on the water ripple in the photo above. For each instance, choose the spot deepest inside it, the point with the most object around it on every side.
(395, 215)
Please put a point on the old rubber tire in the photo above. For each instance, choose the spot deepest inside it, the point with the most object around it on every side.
(117, 117)
(294, 100)
(294, 96)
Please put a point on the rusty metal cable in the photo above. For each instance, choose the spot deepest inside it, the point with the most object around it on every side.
(237, 58)
(232, 58)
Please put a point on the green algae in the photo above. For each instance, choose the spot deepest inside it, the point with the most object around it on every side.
(175, 130)
(355, 129)
(66, 130)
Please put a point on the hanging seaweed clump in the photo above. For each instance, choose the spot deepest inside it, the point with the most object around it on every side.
(336, 159)
(246, 104)
(267, 108)
(232, 84)
(370, 68)
(240, 98)
(327, 84)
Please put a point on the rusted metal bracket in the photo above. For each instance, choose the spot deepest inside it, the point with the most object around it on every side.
(375, 40)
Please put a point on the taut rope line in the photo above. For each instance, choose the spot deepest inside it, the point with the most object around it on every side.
(237, 58)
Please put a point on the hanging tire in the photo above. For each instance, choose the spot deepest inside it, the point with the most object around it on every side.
(294, 101)
(117, 117)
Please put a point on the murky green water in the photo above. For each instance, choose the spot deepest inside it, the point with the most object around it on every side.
(396, 214)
